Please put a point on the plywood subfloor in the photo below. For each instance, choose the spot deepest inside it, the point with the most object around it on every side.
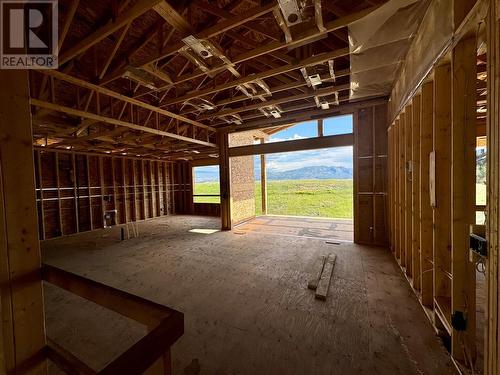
(246, 303)
(321, 228)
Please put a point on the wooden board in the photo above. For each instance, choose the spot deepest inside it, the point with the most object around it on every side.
(316, 272)
(426, 249)
(22, 311)
(463, 174)
(326, 277)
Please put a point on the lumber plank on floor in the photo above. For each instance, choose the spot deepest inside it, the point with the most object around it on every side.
(316, 272)
(326, 276)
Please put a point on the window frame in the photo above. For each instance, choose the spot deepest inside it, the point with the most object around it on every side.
(193, 182)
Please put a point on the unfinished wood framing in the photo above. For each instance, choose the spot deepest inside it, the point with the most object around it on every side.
(435, 180)
(408, 240)
(463, 192)
(147, 90)
(425, 209)
(442, 185)
(415, 199)
(263, 181)
(225, 181)
(492, 346)
(370, 176)
(23, 329)
(84, 187)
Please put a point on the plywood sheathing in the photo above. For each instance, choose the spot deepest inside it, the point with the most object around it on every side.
(232, 326)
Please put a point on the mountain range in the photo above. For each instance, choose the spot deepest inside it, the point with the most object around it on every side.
(310, 173)
(305, 173)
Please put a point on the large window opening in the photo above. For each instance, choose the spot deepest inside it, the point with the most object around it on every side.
(206, 186)
(312, 183)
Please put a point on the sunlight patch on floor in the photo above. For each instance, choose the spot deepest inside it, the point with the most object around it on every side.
(203, 231)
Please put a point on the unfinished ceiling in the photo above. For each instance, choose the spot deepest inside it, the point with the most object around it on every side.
(158, 79)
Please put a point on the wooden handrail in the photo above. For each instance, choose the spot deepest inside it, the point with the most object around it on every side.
(165, 325)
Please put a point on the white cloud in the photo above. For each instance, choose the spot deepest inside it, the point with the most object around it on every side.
(277, 139)
(330, 157)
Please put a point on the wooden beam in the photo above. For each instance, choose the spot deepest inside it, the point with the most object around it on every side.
(320, 127)
(109, 120)
(415, 184)
(263, 180)
(306, 37)
(169, 14)
(402, 190)
(22, 326)
(408, 191)
(287, 99)
(135, 11)
(294, 118)
(297, 145)
(67, 23)
(318, 15)
(117, 45)
(282, 24)
(209, 33)
(225, 180)
(310, 61)
(426, 246)
(102, 90)
(274, 90)
(442, 194)
(225, 14)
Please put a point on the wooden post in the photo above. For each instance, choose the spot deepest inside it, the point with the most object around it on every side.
(124, 191)
(408, 190)
(492, 352)
(144, 191)
(415, 183)
(402, 190)
(426, 246)
(401, 182)
(263, 181)
(463, 173)
(320, 127)
(103, 190)
(390, 154)
(442, 183)
(396, 189)
(89, 189)
(22, 326)
(76, 193)
(115, 194)
(42, 208)
(59, 211)
(152, 177)
(225, 180)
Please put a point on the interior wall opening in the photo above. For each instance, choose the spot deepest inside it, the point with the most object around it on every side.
(310, 183)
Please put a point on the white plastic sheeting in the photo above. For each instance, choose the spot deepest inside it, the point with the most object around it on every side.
(433, 37)
(379, 43)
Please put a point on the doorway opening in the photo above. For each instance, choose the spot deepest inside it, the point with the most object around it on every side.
(307, 193)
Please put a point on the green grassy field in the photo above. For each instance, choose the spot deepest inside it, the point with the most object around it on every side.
(206, 188)
(319, 198)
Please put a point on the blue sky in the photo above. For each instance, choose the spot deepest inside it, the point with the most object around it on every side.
(309, 129)
(330, 157)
